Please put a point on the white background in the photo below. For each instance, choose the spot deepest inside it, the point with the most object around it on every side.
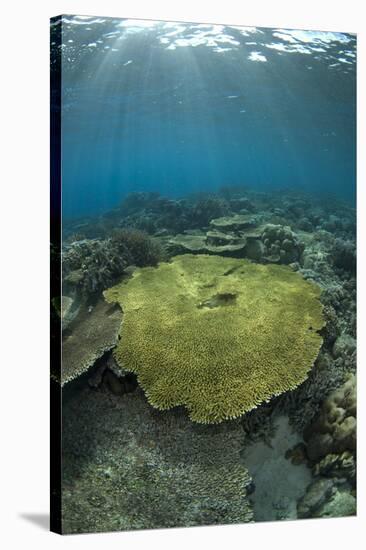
(24, 212)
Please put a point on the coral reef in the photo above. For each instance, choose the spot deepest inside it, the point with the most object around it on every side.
(304, 403)
(281, 244)
(334, 431)
(332, 329)
(209, 243)
(163, 213)
(341, 466)
(235, 236)
(330, 448)
(324, 499)
(344, 345)
(204, 210)
(141, 248)
(233, 223)
(318, 493)
(93, 265)
(128, 466)
(152, 213)
(147, 468)
(241, 235)
(218, 335)
(242, 205)
(342, 504)
(341, 296)
(70, 307)
(93, 332)
(344, 255)
(258, 424)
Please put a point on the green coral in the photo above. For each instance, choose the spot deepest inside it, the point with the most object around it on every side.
(218, 335)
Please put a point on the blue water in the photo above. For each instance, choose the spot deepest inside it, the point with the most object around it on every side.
(179, 108)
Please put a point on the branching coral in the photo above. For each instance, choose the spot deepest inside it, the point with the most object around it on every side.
(148, 469)
(218, 335)
(141, 248)
(93, 265)
(344, 255)
(205, 210)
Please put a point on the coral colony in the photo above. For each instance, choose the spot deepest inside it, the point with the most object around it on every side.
(203, 288)
(193, 343)
(213, 333)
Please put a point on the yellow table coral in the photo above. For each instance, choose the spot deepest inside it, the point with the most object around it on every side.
(217, 335)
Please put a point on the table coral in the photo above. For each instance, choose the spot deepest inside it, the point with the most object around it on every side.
(89, 336)
(218, 335)
(233, 223)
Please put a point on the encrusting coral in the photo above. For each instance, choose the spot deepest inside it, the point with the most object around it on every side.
(218, 335)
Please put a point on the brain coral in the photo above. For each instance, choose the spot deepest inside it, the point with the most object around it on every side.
(334, 431)
(218, 335)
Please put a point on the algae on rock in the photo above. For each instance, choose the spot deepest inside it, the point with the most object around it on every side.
(217, 335)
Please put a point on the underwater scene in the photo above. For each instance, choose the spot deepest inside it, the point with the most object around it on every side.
(208, 256)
